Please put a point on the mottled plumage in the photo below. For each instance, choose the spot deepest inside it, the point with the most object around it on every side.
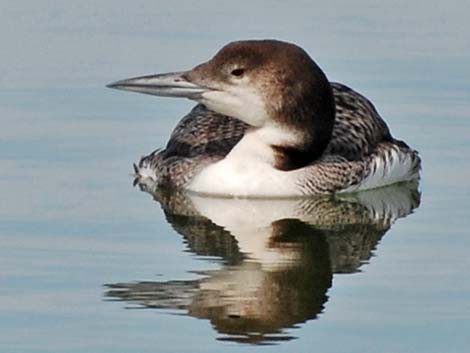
(202, 137)
(360, 141)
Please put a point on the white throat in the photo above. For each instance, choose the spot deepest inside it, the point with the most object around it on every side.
(241, 102)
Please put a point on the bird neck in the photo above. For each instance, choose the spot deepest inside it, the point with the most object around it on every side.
(310, 129)
(283, 147)
(306, 111)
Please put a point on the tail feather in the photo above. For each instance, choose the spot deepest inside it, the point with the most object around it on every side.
(392, 163)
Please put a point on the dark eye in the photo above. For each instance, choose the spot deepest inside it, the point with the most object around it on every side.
(238, 72)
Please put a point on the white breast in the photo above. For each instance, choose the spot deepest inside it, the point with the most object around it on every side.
(246, 171)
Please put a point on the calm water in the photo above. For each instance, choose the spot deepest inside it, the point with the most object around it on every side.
(88, 263)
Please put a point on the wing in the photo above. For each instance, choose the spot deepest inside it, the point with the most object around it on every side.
(358, 128)
(200, 138)
(203, 132)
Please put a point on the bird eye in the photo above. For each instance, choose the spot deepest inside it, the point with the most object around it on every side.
(238, 72)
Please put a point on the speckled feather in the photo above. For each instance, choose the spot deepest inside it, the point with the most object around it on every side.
(361, 142)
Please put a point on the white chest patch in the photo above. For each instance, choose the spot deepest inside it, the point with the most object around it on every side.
(246, 171)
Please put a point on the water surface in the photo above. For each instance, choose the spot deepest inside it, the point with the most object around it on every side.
(90, 263)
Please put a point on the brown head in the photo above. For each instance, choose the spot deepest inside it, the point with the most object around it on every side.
(265, 83)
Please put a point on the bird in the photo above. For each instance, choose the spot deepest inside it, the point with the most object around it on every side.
(269, 123)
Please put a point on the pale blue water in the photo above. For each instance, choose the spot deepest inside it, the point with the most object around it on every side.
(71, 222)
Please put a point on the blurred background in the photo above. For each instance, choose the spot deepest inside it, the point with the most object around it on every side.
(70, 220)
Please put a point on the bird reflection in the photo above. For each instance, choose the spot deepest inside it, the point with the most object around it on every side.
(279, 256)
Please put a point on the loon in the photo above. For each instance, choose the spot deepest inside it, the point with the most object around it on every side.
(268, 123)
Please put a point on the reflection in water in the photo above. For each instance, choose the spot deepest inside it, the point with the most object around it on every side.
(279, 256)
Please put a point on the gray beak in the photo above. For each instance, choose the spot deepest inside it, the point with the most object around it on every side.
(174, 84)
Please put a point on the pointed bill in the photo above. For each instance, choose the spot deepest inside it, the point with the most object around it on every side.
(174, 84)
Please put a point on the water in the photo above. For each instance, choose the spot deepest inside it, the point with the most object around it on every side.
(89, 263)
